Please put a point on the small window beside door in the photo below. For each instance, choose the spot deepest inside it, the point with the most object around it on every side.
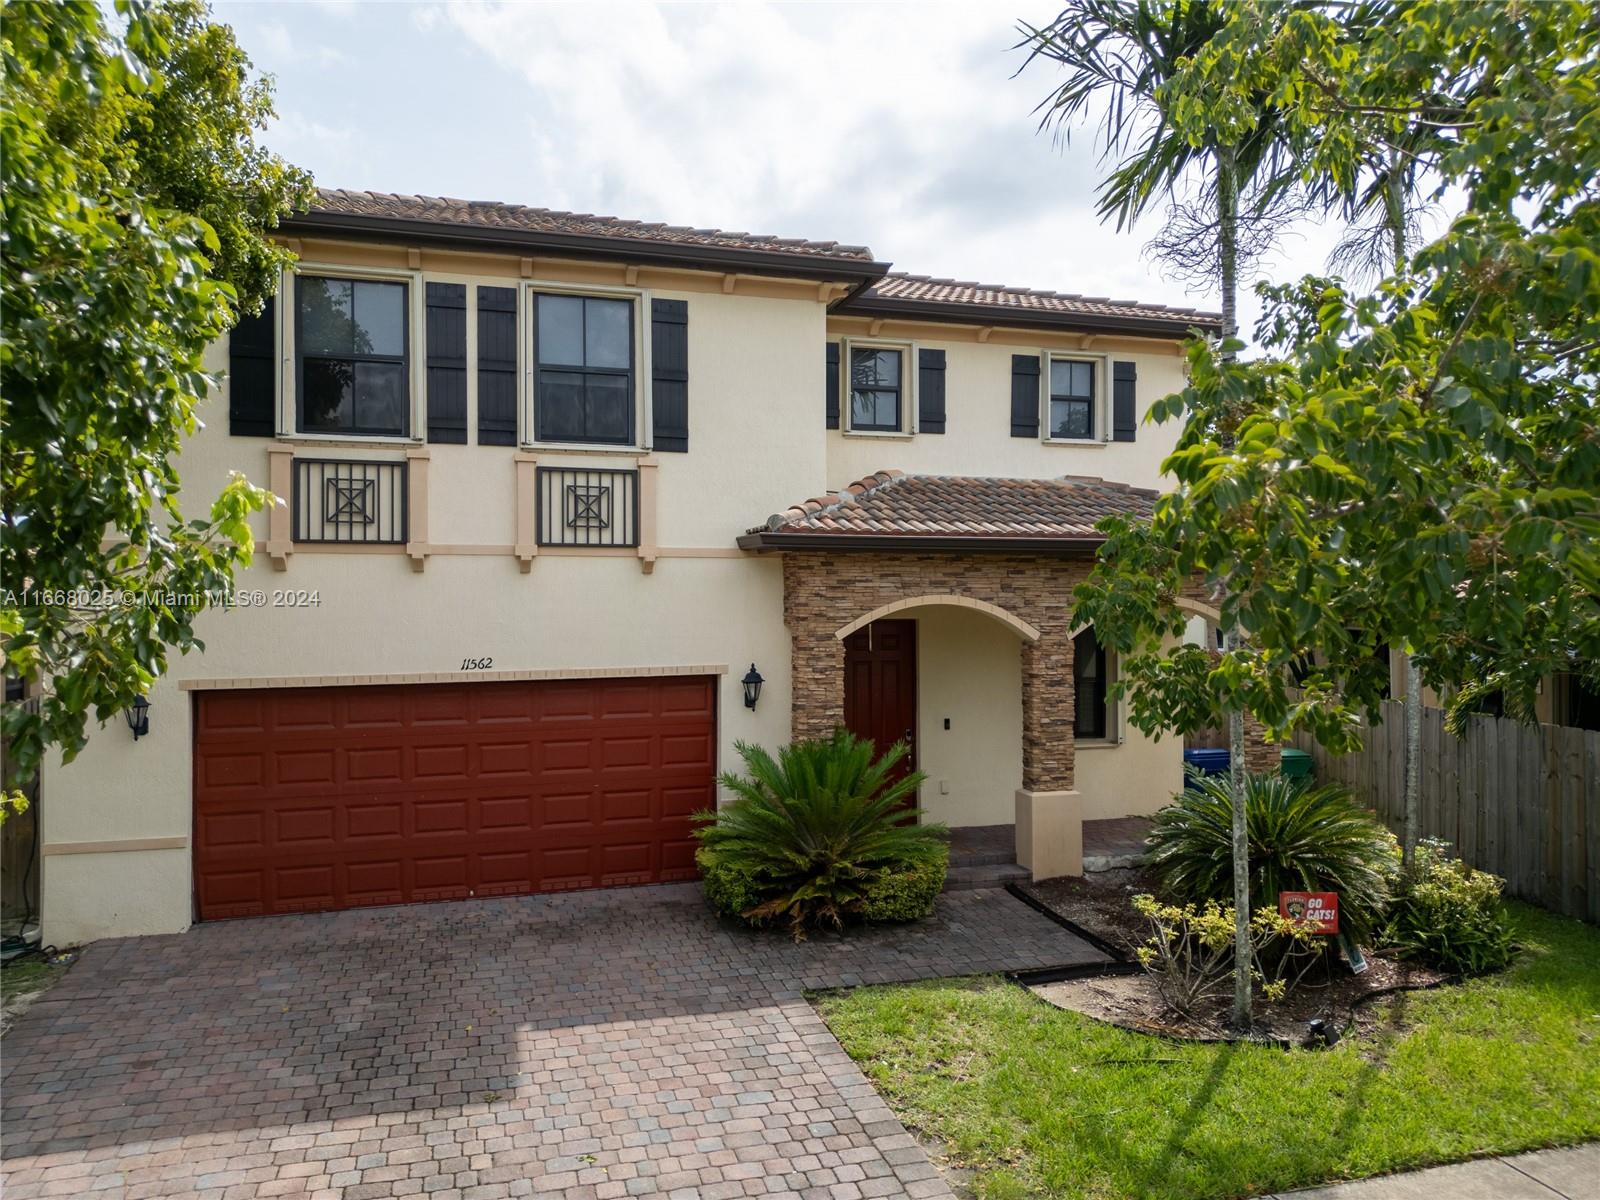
(1090, 678)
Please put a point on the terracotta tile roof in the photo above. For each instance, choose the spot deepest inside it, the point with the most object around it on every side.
(893, 504)
(897, 288)
(517, 218)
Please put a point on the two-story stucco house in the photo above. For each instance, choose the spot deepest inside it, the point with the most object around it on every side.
(552, 487)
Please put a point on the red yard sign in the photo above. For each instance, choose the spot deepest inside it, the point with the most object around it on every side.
(1319, 910)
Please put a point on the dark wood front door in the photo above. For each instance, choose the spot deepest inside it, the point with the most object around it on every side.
(880, 686)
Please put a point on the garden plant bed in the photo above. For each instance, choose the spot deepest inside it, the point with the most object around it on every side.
(1100, 904)
(1039, 1101)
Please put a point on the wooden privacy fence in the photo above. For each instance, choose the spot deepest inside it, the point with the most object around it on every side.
(1522, 801)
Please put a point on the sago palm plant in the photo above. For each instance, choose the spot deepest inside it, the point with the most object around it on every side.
(1301, 839)
(814, 828)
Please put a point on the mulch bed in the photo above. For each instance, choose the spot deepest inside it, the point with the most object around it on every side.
(1100, 903)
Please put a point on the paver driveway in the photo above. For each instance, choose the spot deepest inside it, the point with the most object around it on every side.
(591, 1046)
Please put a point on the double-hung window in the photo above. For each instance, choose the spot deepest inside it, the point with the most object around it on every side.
(875, 389)
(1090, 677)
(1072, 398)
(352, 356)
(584, 369)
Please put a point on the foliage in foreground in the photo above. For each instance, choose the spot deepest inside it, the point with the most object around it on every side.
(820, 834)
(1043, 1102)
(136, 209)
(1449, 915)
(1301, 839)
(1189, 954)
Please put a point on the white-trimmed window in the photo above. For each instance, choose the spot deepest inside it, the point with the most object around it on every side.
(1075, 388)
(879, 386)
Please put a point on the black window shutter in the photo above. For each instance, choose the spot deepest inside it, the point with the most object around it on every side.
(930, 391)
(1025, 395)
(497, 366)
(447, 362)
(253, 375)
(669, 374)
(833, 385)
(1124, 402)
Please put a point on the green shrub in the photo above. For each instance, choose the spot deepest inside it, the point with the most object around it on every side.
(819, 835)
(1449, 915)
(1301, 839)
(907, 893)
(731, 888)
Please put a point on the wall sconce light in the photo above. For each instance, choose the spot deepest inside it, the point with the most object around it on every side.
(138, 714)
(752, 686)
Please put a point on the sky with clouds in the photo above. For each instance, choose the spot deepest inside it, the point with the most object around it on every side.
(900, 126)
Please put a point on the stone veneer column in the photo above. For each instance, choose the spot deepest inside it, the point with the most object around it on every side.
(1260, 756)
(817, 668)
(1049, 829)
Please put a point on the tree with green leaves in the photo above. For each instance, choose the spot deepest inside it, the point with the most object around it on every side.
(136, 206)
(1122, 55)
(1416, 463)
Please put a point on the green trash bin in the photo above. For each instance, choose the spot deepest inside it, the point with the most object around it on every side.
(1296, 764)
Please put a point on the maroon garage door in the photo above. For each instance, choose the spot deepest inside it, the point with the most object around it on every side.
(323, 798)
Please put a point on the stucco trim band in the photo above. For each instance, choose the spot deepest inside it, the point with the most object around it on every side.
(116, 847)
(299, 681)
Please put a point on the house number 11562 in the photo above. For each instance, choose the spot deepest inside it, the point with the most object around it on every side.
(476, 664)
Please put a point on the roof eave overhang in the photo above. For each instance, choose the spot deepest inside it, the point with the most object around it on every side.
(1000, 315)
(1056, 547)
(559, 245)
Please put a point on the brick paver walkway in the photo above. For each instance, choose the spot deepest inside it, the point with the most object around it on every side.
(592, 1046)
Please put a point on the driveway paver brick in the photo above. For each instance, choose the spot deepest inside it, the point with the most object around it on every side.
(587, 1046)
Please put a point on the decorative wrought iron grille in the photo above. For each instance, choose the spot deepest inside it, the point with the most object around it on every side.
(582, 507)
(349, 500)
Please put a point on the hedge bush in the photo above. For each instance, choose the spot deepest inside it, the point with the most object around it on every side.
(1449, 915)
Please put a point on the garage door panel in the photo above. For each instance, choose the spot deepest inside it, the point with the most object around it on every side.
(308, 767)
(331, 798)
(441, 763)
(381, 881)
(302, 712)
(625, 807)
(558, 812)
(234, 830)
(302, 827)
(366, 822)
(504, 815)
(504, 758)
(378, 765)
(235, 771)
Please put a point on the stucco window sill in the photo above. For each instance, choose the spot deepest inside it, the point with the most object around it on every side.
(583, 448)
(1097, 743)
(1081, 443)
(884, 434)
(354, 442)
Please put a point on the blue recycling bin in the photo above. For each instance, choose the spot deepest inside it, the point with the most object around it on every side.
(1205, 761)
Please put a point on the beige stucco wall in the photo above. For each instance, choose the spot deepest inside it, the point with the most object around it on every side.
(969, 670)
(977, 438)
(757, 444)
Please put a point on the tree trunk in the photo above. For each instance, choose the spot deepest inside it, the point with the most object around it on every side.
(1228, 260)
(1394, 203)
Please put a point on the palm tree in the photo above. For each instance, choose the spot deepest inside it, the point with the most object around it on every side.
(1119, 54)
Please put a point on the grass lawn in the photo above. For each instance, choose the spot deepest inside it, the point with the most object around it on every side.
(1045, 1102)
